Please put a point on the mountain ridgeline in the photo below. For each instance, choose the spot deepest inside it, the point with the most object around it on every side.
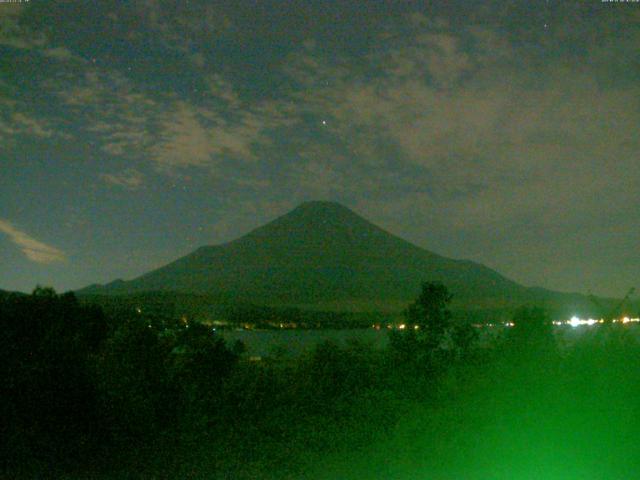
(323, 255)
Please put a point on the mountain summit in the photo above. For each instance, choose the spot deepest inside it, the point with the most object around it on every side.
(319, 254)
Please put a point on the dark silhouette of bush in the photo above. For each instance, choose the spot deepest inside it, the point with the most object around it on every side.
(464, 336)
(532, 332)
(334, 372)
(136, 397)
(199, 365)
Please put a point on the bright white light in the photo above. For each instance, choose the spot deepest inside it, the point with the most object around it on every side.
(576, 322)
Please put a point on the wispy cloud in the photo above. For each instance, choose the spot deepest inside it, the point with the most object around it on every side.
(185, 26)
(130, 178)
(493, 144)
(461, 110)
(120, 115)
(61, 54)
(200, 136)
(22, 123)
(171, 132)
(15, 35)
(16, 120)
(10, 9)
(33, 249)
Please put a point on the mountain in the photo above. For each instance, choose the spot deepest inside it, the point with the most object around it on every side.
(5, 293)
(323, 255)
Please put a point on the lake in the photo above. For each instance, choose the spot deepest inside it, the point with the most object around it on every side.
(295, 342)
(260, 343)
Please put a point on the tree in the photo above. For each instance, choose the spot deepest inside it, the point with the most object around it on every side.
(430, 312)
(428, 322)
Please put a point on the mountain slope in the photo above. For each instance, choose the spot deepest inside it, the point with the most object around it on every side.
(321, 253)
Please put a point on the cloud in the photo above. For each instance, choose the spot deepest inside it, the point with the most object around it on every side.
(185, 140)
(489, 144)
(15, 120)
(184, 27)
(10, 9)
(15, 35)
(183, 135)
(18, 123)
(463, 116)
(33, 249)
(474, 144)
(435, 55)
(110, 107)
(201, 136)
(62, 54)
(130, 178)
(19, 114)
(169, 131)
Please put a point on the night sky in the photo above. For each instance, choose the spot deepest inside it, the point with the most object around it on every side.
(134, 132)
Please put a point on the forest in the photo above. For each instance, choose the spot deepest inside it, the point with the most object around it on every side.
(92, 395)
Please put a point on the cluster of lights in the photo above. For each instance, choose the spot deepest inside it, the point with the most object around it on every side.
(402, 326)
(627, 320)
(390, 326)
(576, 322)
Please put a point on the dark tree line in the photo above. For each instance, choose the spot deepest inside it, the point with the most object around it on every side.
(48, 398)
(90, 395)
(80, 391)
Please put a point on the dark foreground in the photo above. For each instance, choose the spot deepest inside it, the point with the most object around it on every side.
(85, 396)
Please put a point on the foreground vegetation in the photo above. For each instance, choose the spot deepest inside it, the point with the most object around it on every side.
(89, 395)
